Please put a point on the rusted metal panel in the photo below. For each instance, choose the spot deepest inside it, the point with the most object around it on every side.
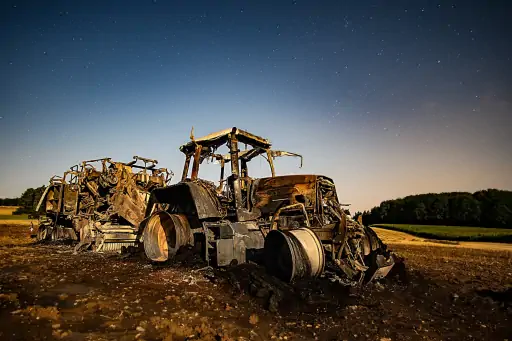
(190, 198)
(269, 194)
(70, 198)
(101, 196)
(50, 199)
(197, 160)
(130, 206)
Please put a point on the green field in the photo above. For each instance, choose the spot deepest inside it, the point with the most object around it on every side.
(458, 233)
(13, 216)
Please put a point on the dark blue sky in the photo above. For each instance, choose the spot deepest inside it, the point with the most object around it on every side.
(389, 98)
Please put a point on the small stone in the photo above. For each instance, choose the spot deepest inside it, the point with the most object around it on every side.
(262, 292)
(253, 319)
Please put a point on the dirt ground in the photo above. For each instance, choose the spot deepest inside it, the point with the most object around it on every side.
(445, 293)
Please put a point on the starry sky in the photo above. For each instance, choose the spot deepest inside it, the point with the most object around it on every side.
(389, 98)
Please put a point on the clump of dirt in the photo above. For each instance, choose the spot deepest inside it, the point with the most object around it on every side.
(168, 330)
(38, 312)
(96, 307)
(319, 295)
(59, 333)
(188, 257)
(10, 298)
(504, 297)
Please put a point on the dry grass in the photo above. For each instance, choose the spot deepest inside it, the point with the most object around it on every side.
(7, 218)
(456, 233)
(7, 210)
(18, 223)
(397, 237)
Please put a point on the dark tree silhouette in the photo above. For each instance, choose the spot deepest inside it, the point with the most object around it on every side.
(487, 208)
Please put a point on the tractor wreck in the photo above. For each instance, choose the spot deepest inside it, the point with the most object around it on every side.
(292, 224)
(99, 203)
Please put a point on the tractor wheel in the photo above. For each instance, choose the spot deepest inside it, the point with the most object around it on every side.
(43, 233)
(164, 234)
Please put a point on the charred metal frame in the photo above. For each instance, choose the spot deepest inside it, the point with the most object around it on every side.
(197, 150)
(92, 192)
(250, 211)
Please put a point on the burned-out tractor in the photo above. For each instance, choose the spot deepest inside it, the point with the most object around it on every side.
(99, 202)
(293, 224)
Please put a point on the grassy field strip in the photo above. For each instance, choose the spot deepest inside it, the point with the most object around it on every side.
(7, 210)
(7, 222)
(13, 216)
(395, 238)
(455, 233)
(9, 219)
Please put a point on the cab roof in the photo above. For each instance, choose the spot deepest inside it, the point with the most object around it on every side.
(220, 138)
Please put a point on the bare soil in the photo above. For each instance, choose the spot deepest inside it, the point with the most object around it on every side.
(444, 293)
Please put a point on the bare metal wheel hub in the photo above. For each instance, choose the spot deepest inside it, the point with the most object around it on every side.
(294, 254)
(164, 234)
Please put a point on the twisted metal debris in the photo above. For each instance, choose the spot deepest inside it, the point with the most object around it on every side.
(293, 224)
(99, 202)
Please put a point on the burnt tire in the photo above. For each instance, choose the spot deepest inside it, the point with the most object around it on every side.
(164, 234)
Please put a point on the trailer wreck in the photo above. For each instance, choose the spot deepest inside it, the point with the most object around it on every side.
(99, 203)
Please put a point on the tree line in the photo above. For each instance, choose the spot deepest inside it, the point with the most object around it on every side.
(27, 202)
(486, 208)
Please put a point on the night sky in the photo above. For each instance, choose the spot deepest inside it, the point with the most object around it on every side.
(389, 98)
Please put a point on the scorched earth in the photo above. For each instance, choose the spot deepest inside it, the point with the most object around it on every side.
(445, 292)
